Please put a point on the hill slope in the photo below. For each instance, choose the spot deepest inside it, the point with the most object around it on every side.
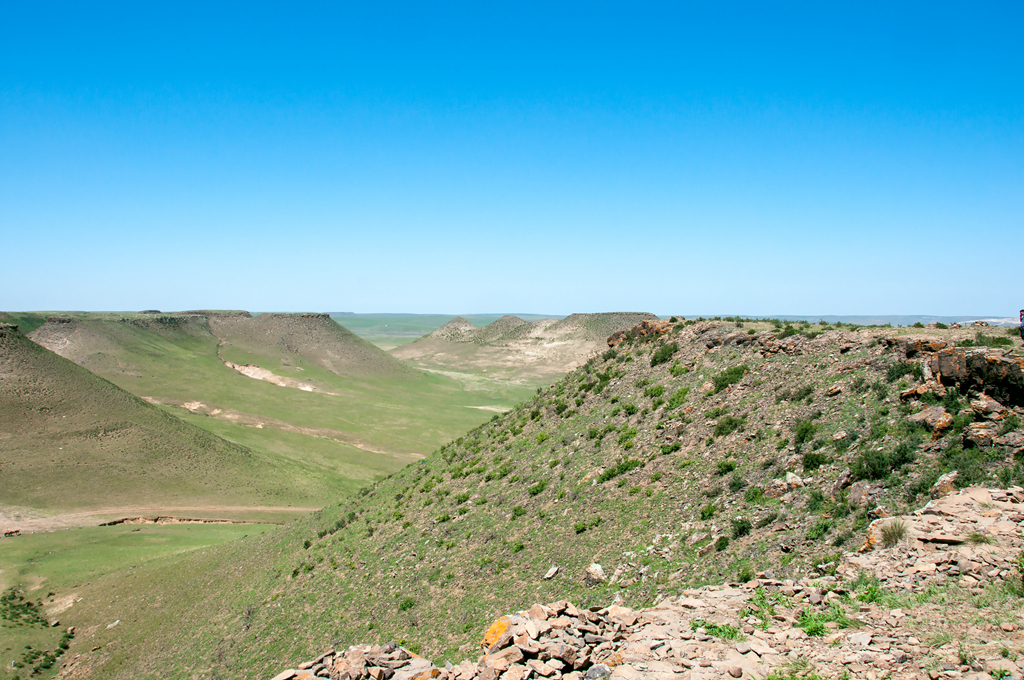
(70, 440)
(704, 455)
(313, 337)
(510, 349)
(299, 386)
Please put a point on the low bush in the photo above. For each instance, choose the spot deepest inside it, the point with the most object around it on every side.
(708, 511)
(729, 376)
(724, 467)
(820, 528)
(736, 483)
(728, 424)
(803, 432)
(741, 527)
(663, 354)
(622, 467)
(813, 460)
(899, 369)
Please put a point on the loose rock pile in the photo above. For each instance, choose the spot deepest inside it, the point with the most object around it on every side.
(974, 535)
(757, 628)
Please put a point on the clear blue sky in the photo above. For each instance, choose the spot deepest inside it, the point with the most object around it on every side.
(762, 158)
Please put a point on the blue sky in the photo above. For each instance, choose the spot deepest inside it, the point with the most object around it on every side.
(763, 158)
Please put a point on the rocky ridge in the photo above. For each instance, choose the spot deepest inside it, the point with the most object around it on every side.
(827, 625)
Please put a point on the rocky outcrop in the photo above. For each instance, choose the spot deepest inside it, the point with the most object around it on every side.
(986, 369)
(761, 627)
(644, 331)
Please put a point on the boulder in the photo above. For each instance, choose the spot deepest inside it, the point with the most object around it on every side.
(980, 435)
(934, 418)
(945, 485)
(594, 574)
(1011, 440)
(987, 407)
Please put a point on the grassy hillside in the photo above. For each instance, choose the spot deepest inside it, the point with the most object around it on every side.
(363, 415)
(70, 440)
(388, 331)
(708, 454)
(515, 351)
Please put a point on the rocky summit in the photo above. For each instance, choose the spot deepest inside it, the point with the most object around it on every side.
(889, 610)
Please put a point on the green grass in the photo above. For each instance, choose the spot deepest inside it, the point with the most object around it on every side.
(51, 569)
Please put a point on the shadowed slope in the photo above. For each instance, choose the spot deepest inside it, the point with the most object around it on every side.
(71, 440)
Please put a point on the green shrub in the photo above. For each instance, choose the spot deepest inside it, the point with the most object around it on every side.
(629, 409)
(813, 460)
(982, 340)
(622, 467)
(708, 511)
(815, 499)
(538, 487)
(736, 483)
(609, 355)
(803, 431)
(670, 448)
(724, 467)
(663, 354)
(820, 528)
(729, 376)
(740, 528)
(722, 543)
(678, 398)
(518, 511)
(897, 370)
(753, 494)
(580, 527)
(405, 604)
(795, 394)
(678, 369)
(654, 391)
(728, 424)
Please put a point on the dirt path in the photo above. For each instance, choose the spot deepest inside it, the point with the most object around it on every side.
(29, 521)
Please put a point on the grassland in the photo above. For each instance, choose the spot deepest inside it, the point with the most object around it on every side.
(42, 565)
